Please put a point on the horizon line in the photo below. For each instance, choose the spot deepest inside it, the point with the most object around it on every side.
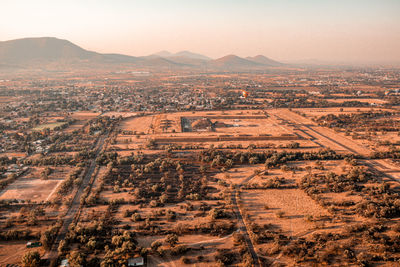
(303, 61)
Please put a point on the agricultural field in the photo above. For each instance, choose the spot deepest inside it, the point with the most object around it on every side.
(288, 208)
(274, 201)
(33, 186)
(273, 198)
(183, 170)
(50, 126)
(375, 129)
(221, 129)
(374, 101)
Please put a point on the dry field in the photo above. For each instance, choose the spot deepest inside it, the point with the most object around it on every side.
(324, 136)
(236, 175)
(82, 118)
(140, 124)
(13, 155)
(293, 213)
(202, 245)
(288, 210)
(391, 168)
(237, 127)
(12, 251)
(264, 207)
(118, 114)
(365, 100)
(317, 112)
(7, 99)
(187, 215)
(30, 187)
(149, 123)
(49, 125)
(354, 141)
(75, 126)
(82, 115)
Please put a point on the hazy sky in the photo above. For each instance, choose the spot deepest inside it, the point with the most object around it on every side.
(334, 30)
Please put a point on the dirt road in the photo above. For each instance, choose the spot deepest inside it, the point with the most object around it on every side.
(241, 223)
(75, 204)
(329, 138)
(322, 135)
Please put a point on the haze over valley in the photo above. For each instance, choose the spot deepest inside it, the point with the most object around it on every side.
(199, 133)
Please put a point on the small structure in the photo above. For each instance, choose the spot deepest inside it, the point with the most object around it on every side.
(206, 124)
(136, 261)
(64, 263)
(33, 244)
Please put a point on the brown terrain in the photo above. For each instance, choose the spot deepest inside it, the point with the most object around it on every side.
(180, 169)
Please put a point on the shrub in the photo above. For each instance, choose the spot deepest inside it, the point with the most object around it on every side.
(172, 239)
(31, 259)
(179, 250)
(136, 217)
(225, 256)
(185, 260)
(155, 245)
(48, 237)
(76, 259)
(238, 238)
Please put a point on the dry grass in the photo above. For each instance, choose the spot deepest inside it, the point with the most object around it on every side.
(31, 187)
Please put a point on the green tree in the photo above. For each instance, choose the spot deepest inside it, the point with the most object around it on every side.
(155, 245)
(172, 239)
(62, 247)
(76, 259)
(31, 259)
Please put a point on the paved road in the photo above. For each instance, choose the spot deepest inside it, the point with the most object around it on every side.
(75, 204)
(360, 151)
(242, 224)
(310, 128)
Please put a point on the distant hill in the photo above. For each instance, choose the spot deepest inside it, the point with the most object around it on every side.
(192, 55)
(233, 62)
(181, 54)
(265, 61)
(41, 49)
(185, 58)
(155, 61)
(49, 53)
(163, 54)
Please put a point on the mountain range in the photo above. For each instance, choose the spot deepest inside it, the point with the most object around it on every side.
(49, 53)
(187, 54)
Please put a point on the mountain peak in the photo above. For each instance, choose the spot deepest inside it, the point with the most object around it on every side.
(53, 53)
(233, 62)
(260, 59)
(185, 53)
(230, 56)
(163, 53)
(192, 55)
(38, 49)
